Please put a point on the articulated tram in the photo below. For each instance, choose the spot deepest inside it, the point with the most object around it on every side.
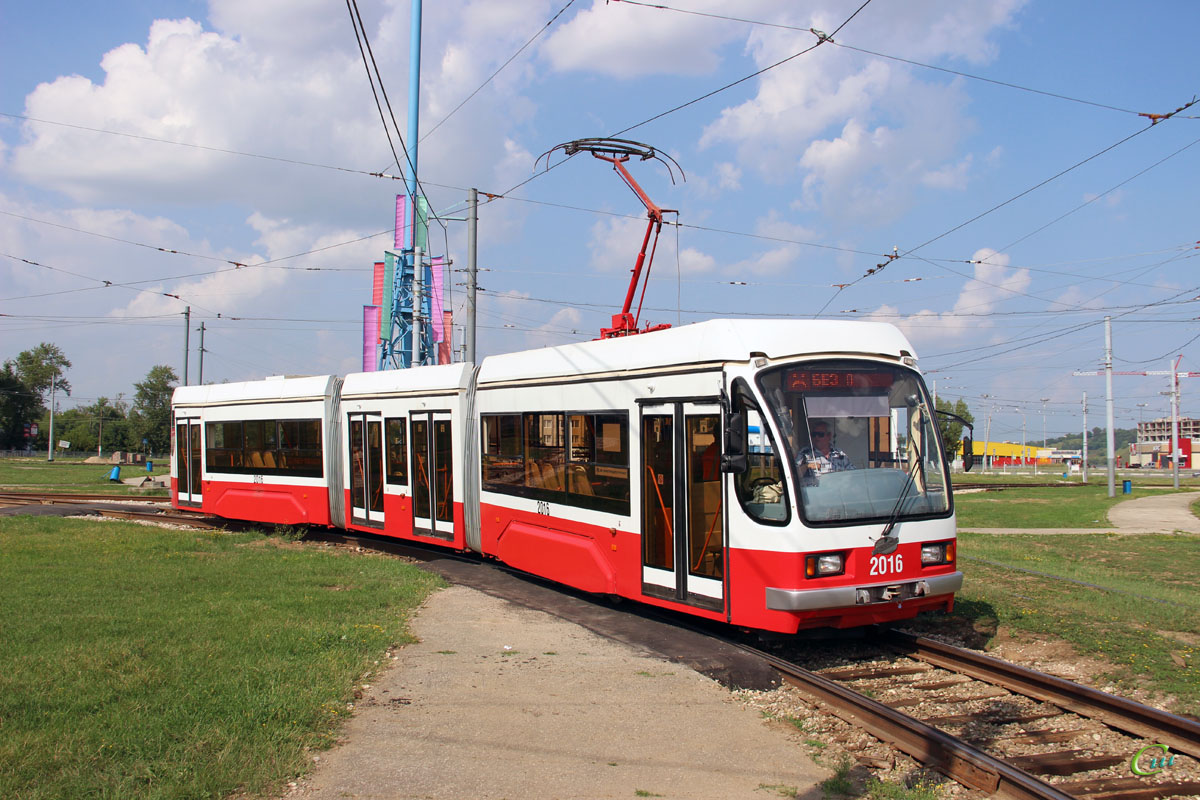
(775, 475)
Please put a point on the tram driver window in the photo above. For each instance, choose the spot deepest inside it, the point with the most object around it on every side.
(760, 489)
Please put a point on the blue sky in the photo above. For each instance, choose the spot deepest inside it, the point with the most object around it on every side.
(153, 119)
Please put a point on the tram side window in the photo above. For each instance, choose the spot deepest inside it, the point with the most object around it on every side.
(503, 452)
(599, 465)
(574, 458)
(224, 449)
(300, 452)
(546, 456)
(761, 488)
(397, 451)
(266, 447)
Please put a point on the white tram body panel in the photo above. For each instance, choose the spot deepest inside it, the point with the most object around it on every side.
(772, 474)
(404, 433)
(689, 537)
(258, 450)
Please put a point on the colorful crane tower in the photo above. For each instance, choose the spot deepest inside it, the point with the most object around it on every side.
(406, 325)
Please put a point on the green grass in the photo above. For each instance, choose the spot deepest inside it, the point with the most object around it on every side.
(922, 790)
(1144, 621)
(1067, 507)
(1096, 477)
(40, 475)
(142, 663)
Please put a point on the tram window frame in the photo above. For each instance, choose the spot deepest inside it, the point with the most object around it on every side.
(743, 404)
(589, 471)
(217, 437)
(291, 447)
(396, 447)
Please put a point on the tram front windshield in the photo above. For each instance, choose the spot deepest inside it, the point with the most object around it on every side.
(861, 440)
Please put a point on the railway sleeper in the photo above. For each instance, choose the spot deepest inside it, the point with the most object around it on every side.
(1065, 762)
(1006, 718)
(862, 673)
(1127, 789)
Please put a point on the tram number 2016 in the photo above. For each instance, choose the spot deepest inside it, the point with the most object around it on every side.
(884, 565)
(543, 507)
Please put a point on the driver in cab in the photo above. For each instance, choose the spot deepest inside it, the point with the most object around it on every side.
(821, 456)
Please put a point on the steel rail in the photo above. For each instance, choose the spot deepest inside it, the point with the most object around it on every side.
(955, 758)
(51, 497)
(1179, 733)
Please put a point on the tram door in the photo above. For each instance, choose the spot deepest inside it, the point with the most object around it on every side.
(432, 474)
(683, 528)
(187, 460)
(366, 468)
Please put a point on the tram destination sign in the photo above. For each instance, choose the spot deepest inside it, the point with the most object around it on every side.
(807, 380)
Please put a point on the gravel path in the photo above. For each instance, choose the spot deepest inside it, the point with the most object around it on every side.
(500, 701)
(1163, 513)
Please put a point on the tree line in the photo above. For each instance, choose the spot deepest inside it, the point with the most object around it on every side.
(28, 382)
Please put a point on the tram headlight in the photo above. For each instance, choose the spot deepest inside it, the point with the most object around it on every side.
(937, 553)
(819, 566)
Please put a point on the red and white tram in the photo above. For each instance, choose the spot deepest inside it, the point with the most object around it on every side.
(776, 475)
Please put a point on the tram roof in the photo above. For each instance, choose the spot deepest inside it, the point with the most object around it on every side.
(413, 379)
(713, 341)
(274, 388)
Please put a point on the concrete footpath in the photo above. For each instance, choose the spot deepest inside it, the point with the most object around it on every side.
(1163, 513)
(501, 701)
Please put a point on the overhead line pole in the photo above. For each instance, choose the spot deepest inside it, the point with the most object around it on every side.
(1175, 422)
(1085, 438)
(472, 271)
(187, 329)
(1108, 407)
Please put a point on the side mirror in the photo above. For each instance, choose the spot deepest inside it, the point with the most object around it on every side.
(733, 457)
(968, 454)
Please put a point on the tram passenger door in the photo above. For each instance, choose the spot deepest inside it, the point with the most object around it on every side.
(683, 521)
(187, 460)
(366, 468)
(432, 474)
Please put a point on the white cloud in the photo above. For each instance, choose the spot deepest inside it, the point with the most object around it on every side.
(992, 284)
(894, 131)
(624, 41)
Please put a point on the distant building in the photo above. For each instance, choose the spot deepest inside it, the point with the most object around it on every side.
(1153, 445)
(1159, 430)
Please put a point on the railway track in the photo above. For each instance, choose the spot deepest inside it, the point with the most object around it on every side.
(134, 508)
(1000, 729)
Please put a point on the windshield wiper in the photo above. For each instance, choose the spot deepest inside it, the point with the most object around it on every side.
(886, 543)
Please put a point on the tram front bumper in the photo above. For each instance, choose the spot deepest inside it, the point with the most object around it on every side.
(850, 596)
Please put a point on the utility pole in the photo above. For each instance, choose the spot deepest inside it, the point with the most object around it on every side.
(1173, 393)
(1108, 407)
(472, 271)
(1175, 422)
(1024, 453)
(200, 380)
(1035, 460)
(1085, 438)
(987, 436)
(187, 329)
(50, 443)
(418, 307)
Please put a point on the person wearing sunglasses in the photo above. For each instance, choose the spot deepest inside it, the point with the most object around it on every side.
(821, 456)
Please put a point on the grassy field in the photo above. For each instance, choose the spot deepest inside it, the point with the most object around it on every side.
(143, 663)
(1133, 601)
(40, 475)
(1066, 507)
